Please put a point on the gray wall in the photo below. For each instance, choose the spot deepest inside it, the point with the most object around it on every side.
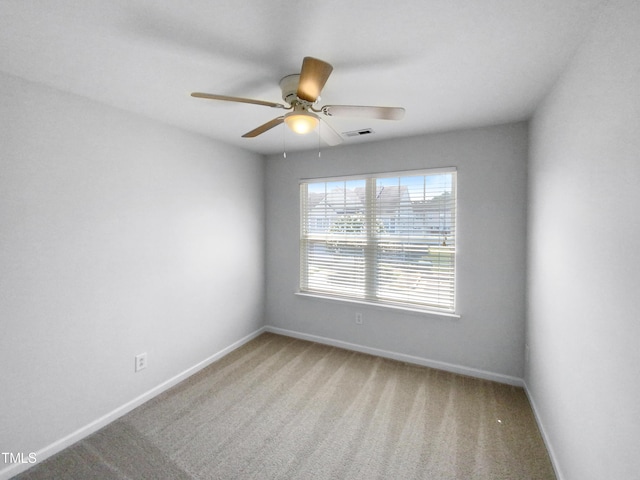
(584, 256)
(112, 243)
(489, 336)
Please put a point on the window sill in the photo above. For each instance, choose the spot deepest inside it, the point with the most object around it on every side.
(380, 306)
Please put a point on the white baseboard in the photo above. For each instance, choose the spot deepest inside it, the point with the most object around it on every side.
(543, 432)
(425, 362)
(83, 432)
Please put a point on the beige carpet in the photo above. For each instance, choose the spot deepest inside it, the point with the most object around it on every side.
(281, 408)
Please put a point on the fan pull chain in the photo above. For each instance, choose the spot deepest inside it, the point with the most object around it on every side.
(284, 143)
(319, 127)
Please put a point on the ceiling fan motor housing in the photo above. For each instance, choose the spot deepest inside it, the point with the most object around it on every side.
(289, 87)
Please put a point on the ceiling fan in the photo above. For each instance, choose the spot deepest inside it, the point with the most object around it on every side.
(301, 92)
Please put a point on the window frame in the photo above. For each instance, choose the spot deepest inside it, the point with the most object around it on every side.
(372, 262)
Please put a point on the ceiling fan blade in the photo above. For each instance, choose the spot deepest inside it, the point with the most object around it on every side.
(226, 98)
(329, 135)
(263, 128)
(313, 76)
(383, 113)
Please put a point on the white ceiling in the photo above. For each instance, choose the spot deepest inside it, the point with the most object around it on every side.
(451, 63)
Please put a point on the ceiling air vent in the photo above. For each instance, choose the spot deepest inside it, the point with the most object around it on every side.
(358, 133)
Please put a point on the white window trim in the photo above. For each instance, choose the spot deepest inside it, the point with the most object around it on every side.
(381, 304)
(385, 174)
(378, 305)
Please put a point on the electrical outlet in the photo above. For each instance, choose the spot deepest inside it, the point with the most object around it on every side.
(358, 318)
(141, 361)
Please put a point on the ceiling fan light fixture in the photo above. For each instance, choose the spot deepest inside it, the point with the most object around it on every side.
(301, 122)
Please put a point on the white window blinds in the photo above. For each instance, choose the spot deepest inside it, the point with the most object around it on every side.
(383, 238)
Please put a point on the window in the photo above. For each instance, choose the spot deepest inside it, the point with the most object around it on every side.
(387, 239)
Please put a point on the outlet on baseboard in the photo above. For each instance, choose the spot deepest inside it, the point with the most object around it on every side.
(141, 361)
(359, 318)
